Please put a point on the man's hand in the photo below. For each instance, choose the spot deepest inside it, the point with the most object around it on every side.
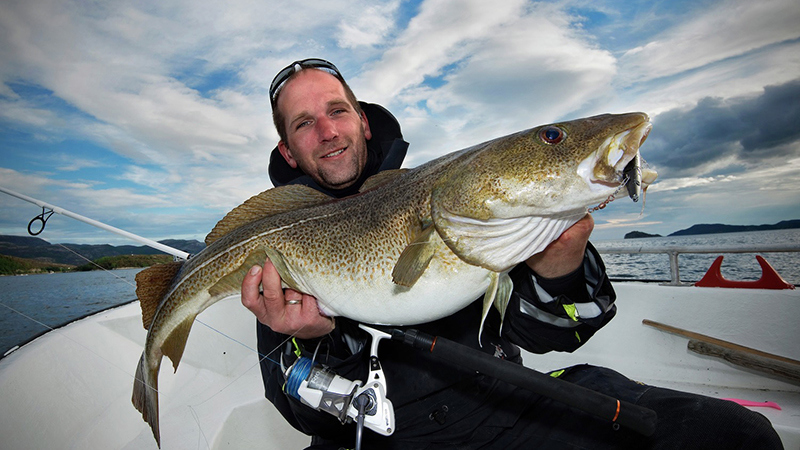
(566, 253)
(288, 312)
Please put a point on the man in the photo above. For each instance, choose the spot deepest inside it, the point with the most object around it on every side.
(330, 141)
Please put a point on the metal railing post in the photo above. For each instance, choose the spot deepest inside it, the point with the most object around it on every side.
(674, 269)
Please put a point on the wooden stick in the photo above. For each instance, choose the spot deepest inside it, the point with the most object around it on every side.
(751, 361)
(719, 342)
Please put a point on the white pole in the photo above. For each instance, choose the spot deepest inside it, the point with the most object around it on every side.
(64, 212)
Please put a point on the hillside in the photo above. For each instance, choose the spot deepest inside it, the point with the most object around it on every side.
(43, 251)
(712, 228)
(124, 262)
(10, 265)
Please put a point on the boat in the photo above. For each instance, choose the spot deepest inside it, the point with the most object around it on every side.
(71, 387)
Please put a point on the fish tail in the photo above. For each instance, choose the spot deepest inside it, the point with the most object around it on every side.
(145, 395)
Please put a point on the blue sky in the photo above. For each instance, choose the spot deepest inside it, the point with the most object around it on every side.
(153, 116)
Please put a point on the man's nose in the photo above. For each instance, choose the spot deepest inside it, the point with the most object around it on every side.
(326, 129)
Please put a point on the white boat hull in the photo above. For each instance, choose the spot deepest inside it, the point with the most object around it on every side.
(71, 388)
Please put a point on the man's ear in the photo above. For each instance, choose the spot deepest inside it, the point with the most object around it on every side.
(287, 155)
(367, 132)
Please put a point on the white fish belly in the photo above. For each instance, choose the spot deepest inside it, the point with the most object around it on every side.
(433, 296)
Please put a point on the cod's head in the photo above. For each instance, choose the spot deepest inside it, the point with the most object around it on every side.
(505, 200)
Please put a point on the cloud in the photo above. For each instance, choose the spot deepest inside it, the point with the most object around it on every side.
(75, 164)
(442, 33)
(370, 28)
(625, 223)
(725, 30)
(774, 117)
(463, 72)
(726, 134)
(673, 184)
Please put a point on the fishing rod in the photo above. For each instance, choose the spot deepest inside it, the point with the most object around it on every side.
(48, 210)
(317, 386)
(619, 412)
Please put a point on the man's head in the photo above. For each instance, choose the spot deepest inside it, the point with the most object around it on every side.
(322, 128)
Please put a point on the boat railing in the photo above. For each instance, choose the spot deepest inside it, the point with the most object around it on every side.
(673, 251)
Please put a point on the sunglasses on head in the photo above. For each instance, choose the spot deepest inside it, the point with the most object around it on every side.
(282, 76)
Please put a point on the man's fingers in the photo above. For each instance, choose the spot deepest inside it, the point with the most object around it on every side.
(274, 300)
(290, 295)
(250, 291)
(271, 283)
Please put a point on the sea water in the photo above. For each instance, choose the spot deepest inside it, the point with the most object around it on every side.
(33, 304)
(735, 266)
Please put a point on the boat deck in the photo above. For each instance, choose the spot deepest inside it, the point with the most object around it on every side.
(71, 388)
(760, 319)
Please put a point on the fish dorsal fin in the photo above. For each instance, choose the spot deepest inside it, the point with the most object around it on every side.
(152, 285)
(268, 203)
(381, 178)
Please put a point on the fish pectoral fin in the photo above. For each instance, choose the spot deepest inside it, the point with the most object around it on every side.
(381, 178)
(503, 296)
(415, 258)
(175, 343)
(488, 299)
(268, 203)
(499, 294)
(152, 285)
(284, 269)
(232, 282)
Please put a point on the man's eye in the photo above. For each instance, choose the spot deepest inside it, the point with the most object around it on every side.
(303, 124)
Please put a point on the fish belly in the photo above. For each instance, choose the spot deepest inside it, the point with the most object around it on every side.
(434, 296)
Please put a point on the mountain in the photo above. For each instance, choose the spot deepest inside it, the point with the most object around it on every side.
(712, 228)
(77, 254)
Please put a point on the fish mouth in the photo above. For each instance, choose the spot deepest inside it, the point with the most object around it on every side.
(619, 163)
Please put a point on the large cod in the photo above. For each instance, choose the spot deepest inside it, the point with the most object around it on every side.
(414, 246)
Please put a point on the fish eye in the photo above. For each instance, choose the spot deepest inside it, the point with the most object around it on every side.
(552, 135)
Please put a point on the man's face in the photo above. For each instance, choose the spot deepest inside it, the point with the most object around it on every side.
(327, 138)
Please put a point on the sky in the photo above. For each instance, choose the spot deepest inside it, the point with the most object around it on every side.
(153, 116)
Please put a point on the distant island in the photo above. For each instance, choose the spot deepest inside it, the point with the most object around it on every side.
(714, 228)
(640, 234)
(25, 254)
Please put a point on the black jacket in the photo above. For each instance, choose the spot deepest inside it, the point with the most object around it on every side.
(433, 400)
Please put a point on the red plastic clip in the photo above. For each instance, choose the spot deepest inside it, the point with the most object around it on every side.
(769, 278)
